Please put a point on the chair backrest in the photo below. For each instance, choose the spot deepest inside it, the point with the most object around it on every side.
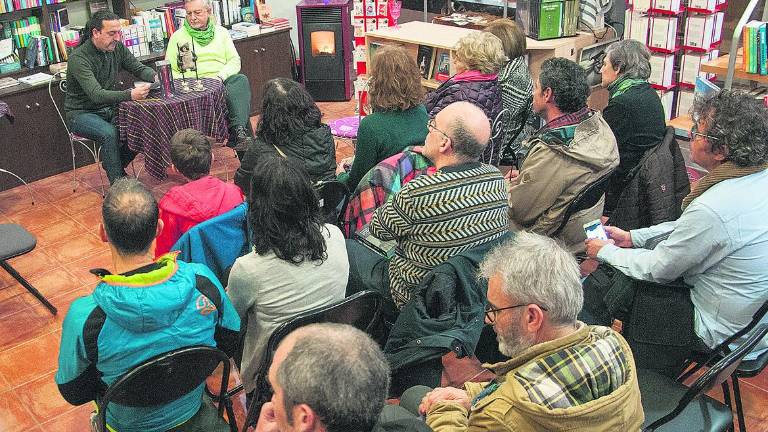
(361, 310)
(716, 375)
(724, 347)
(59, 79)
(165, 378)
(586, 198)
(493, 149)
(333, 195)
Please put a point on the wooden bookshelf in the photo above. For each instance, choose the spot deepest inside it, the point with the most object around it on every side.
(720, 66)
(682, 125)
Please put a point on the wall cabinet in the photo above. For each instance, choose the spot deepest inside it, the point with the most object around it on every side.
(36, 145)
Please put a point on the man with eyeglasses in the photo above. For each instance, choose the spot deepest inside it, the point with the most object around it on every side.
(216, 58)
(435, 217)
(718, 245)
(561, 374)
(91, 100)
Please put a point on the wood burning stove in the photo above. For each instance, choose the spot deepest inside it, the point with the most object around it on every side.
(325, 48)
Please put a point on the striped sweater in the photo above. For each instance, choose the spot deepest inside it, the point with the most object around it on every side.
(436, 217)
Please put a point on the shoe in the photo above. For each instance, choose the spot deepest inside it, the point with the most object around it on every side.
(239, 139)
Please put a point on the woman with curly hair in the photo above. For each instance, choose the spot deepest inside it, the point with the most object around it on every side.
(289, 127)
(398, 120)
(297, 262)
(477, 59)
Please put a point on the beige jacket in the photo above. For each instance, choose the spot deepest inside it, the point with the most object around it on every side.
(511, 408)
(553, 174)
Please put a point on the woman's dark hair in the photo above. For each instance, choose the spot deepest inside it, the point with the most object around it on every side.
(284, 212)
(96, 23)
(287, 112)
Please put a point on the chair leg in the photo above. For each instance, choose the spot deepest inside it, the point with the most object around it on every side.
(253, 414)
(97, 157)
(74, 167)
(737, 399)
(726, 393)
(29, 287)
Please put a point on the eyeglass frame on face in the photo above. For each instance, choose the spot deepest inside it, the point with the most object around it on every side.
(431, 125)
(491, 312)
(694, 132)
(200, 12)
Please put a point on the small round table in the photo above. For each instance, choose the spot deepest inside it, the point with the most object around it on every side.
(147, 125)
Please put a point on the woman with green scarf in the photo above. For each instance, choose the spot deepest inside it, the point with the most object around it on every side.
(216, 58)
(634, 110)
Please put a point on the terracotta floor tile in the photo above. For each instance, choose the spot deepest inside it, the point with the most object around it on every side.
(32, 264)
(89, 219)
(75, 420)
(76, 247)
(17, 200)
(43, 214)
(83, 201)
(55, 282)
(14, 298)
(63, 301)
(30, 360)
(81, 268)
(60, 231)
(42, 398)
(24, 326)
(14, 417)
(59, 187)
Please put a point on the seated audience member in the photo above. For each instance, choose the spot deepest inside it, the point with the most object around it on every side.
(515, 84)
(201, 198)
(216, 57)
(139, 310)
(90, 105)
(435, 217)
(476, 61)
(311, 366)
(297, 263)
(719, 245)
(290, 127)
(634, 110)
(398, 120)
(574, 149)
(562, 375)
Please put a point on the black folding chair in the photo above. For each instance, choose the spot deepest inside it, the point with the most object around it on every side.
(167, 377)
(691, 409)
(747, 368)
(16, 241)
(586, 198)
(333, 196)
(361, 310)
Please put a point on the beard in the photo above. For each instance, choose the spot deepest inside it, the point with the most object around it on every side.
(512, 341)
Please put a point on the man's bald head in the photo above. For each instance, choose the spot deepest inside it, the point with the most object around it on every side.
(469, 129)
(130, 216)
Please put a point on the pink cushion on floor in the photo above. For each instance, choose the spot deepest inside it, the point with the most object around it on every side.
(345, 127)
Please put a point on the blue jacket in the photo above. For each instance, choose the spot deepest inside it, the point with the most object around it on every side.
(132, 317)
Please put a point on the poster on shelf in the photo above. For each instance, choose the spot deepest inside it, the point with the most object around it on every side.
(425, 59)
(370, 24)
(382, 8)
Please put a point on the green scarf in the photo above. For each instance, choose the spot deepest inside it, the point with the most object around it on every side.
(201, 37)
(623, 84)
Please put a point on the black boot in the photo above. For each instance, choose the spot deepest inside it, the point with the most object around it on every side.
(239, 139)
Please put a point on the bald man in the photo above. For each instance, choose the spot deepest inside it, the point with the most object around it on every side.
(433, 218)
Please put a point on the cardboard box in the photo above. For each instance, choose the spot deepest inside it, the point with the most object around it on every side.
(698, 31)
(663, 32)
(690, 66)
(662, 69)
(684, 102)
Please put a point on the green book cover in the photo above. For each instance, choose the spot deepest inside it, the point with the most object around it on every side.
(550, 19)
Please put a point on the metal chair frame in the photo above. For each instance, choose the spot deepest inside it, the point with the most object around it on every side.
(497, 132)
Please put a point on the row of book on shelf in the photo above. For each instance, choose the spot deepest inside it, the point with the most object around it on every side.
(755, 43)
(12, 5)
(434, 63)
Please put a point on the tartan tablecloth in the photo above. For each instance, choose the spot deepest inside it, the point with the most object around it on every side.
(147, 126)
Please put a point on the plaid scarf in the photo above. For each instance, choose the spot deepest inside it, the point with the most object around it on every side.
(563, 128)
(725, 171)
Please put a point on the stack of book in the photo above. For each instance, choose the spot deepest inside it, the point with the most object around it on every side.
(276, 23)
(21, 31)
(755, 47)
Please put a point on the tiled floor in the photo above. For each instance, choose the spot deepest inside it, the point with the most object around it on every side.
(66, 226)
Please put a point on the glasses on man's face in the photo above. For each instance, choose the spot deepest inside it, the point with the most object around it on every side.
(694, 133)
(431, 125)
(491, 312)
(200, 13)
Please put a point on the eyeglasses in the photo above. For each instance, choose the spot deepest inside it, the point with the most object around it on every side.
(199, 13)
(694, 132)
(431, 125)
(490, 311)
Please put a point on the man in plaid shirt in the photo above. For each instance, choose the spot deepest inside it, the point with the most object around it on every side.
(561, 374)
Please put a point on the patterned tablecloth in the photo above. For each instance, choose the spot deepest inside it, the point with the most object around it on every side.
(5, 111)
(147, 126)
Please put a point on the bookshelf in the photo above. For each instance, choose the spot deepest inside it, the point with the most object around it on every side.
(720, 66)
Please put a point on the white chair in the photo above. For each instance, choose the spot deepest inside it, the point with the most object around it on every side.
(88, 144)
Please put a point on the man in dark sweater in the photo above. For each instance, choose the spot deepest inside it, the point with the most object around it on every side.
(90, 104)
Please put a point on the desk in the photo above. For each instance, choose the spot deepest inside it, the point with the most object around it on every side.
(147, 126)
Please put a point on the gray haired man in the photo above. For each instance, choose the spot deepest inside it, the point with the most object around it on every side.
(562, 374)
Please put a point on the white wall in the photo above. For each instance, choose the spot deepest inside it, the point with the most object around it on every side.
(286, 9)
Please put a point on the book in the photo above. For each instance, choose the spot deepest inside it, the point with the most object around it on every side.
(425, 59)
(443, 66)
(763, 49)
(37, 78)
(385, 248)
(8, 82)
